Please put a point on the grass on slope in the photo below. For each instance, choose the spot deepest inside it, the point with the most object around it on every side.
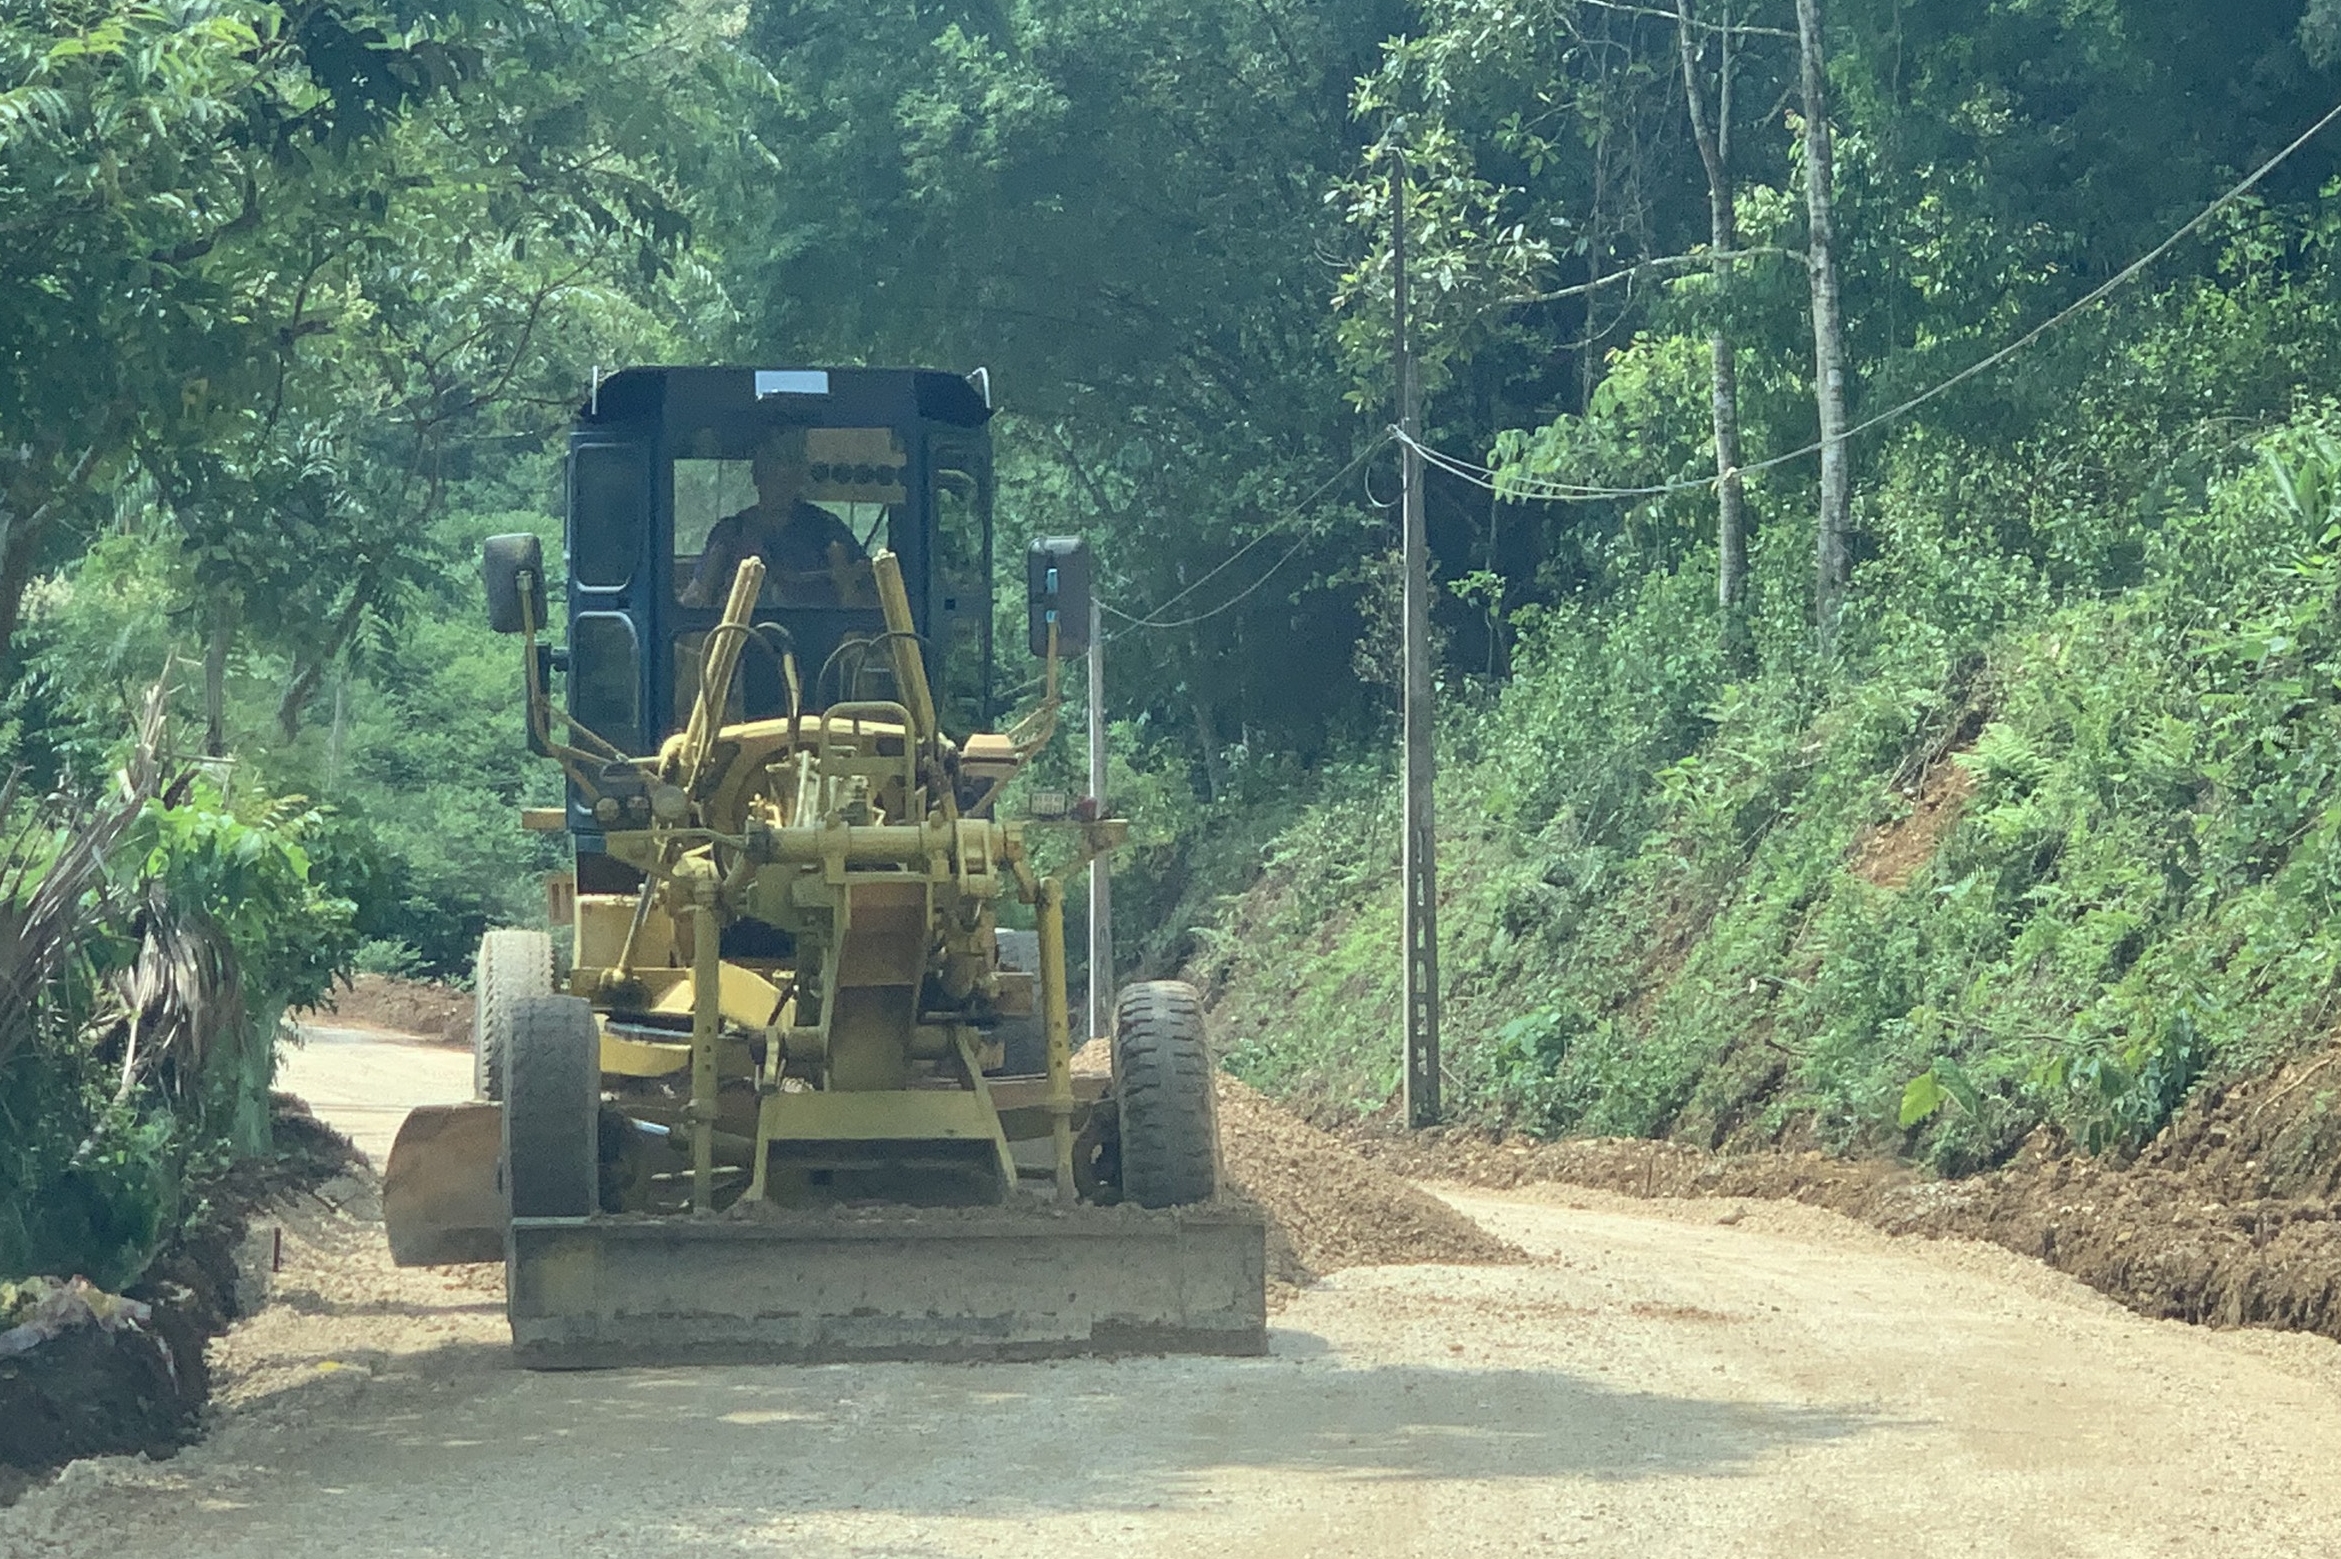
(1679, 902)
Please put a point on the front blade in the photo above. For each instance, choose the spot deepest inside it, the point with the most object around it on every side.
(887, 1283)
(441, 1198)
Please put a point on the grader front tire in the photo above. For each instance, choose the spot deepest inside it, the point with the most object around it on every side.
(552, 1109)
(1163, 1078)
(514, 966)
(1024, 1042)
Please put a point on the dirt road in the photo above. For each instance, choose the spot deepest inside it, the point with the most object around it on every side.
(364, 1081)
(1671, 1379)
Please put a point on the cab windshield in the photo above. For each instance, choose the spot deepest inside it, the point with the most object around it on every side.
(813, 503)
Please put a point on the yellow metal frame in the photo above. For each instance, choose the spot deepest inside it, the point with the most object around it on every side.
(842, 829)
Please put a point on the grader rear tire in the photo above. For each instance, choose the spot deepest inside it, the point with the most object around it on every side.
(514, 966)
(552, 1108)
(1163, 1076)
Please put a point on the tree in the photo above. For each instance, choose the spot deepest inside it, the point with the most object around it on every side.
(1830, 565)
(1122, 213)
(1713, 137)
(272, 266)
(118, 179)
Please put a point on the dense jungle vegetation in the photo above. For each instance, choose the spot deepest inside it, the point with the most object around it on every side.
(1974, 771)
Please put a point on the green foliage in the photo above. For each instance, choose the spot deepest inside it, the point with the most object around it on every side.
(297, 267)
(301, 301)
(84, 1187)
(1940, 1084)
(306, 300)
(2117, 1099)
(147, 1067)
(1660, 919)
(416, 763)
(1122, 212)
(250, 878)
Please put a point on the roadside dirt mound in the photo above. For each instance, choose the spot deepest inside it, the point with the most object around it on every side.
(377, 1001)
(93, 1389)
(99, 1382)
(1328, 1207)
(2232, 1217)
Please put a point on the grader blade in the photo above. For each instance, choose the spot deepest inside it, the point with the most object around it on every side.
(997, 1283)
(441, 1201)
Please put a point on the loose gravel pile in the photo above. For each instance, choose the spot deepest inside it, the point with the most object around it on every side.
(1329, 1207)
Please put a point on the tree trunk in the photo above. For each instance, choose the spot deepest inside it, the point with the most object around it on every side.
(1828, 325)
(1731, 524)
(340, 730)
(23, 526)
(20, 541)
(1207, 737)
(215, 681)
(1588, 350)
(309, 672)
(294, 701)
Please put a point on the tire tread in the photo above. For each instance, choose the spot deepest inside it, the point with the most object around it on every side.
(1024, 1042)
(513, 966)
(1164, 1078)
(552, 1109)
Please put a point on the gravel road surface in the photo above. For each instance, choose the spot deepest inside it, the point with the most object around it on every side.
(1748, 1380)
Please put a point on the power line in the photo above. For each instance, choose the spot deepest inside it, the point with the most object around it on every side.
(1227, 605)
(1537, 490)
(1541, 490)
(1298, 510)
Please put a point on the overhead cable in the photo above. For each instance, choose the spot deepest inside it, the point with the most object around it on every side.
(1540, 490)
(1297, 511)
(1535, 489)
(1227, 605)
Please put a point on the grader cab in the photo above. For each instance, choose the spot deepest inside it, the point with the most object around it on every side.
(806, 1090)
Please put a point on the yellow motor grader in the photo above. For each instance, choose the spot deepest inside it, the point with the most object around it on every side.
(806, 1089)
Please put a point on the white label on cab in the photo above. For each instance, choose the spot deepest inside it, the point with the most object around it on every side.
(791, 381)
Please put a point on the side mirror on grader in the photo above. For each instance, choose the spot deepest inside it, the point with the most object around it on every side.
(1057, 594)
(514, 567)
(808, 1090)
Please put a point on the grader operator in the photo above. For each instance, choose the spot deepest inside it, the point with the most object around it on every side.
(805, 1090)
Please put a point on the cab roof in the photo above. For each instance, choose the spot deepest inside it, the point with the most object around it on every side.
(838, 397)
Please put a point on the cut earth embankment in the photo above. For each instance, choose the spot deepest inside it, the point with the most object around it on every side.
(2230, 1217)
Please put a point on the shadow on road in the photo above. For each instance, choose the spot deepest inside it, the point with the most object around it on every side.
(924, 1440)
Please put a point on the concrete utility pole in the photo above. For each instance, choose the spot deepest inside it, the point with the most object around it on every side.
(1419, 858)
(1101, 882)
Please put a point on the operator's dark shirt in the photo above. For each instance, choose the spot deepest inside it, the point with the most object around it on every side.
(797, 554)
